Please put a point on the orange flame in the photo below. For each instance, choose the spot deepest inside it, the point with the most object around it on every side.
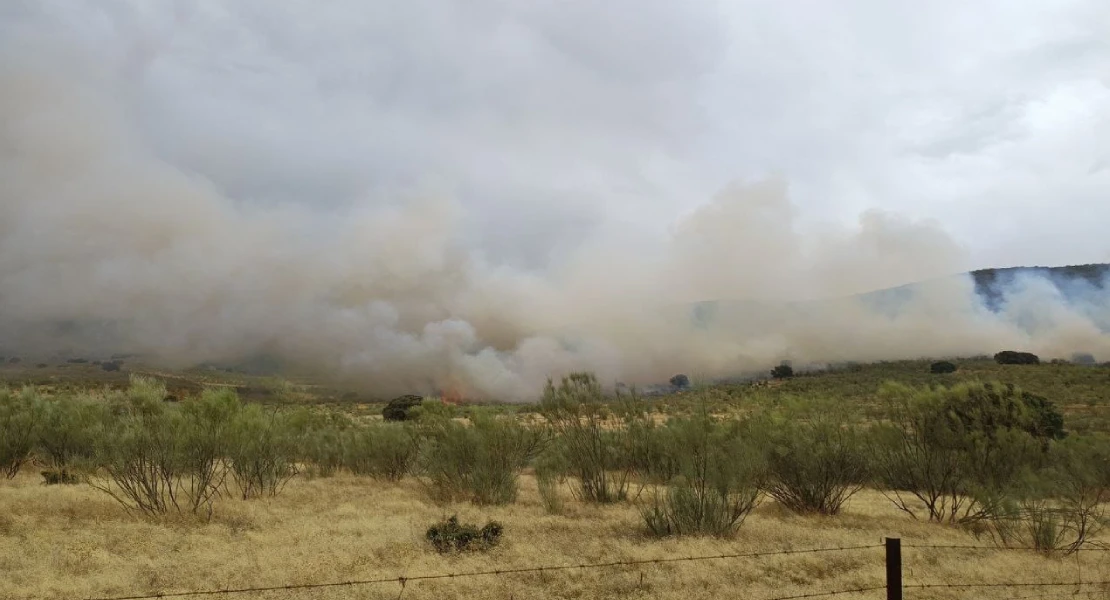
(451, 396)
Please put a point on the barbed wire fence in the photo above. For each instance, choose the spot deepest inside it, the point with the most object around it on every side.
(893, 585)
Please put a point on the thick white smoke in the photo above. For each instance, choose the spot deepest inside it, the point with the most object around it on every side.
(135, 254)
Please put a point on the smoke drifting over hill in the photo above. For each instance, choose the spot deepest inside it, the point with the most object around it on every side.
(129, 252)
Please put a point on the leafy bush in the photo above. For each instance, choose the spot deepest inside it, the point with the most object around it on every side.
(942, 367)
(399, 408)
(111, 365)
(480, 463)
(783, 371)
(962, 451)
(718, 481)
(21, 417)
(815, 460)
(589, 446)
(59, 477)
(263, 452)
(451, 536)
(387, 452)
(680, 381)
(68, 436)
(1010, 357)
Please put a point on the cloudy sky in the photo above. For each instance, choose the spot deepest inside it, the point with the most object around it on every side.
(552, 120)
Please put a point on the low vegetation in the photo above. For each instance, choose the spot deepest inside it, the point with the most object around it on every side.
(987, 457)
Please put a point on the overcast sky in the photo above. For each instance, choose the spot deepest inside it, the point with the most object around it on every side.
(552, 119)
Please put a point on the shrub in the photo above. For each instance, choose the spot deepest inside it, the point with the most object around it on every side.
(399, 408)
(1010, 357)
(111, 365)
(717, 485)
(59, 477)
(77, 361)
(20, 420)
(595, 454)
(942, 367)
(815, 461)
(480, 463)
(680, 381)
(14, 360)
(451, 536)
(956, 450)
(263, 451)
(385, 452)
(783, 371)
(68, 436)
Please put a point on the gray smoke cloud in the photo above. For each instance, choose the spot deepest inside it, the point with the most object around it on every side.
(109, 243)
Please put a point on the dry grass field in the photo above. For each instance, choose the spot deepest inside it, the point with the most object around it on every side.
(74, 542)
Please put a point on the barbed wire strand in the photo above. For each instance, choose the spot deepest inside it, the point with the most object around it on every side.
(926, 586)
(836, 593)
(999, 548)
(511, 571)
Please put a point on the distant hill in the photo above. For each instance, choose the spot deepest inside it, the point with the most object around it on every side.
(990, 283)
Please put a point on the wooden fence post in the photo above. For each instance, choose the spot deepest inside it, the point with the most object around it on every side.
(893, 568)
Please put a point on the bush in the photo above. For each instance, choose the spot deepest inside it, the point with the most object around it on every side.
(451, 536)
(59, 477)
(783, 371)
(589, 447)
(942, 367)
(263, 451)
(480, 463)
(963, 452)
(399, 408)
(1010, 357)
(111, 365)
(386, 452)
(815, 461)
(21, 417)
(68, 436)
(718, 481)
(680, 381)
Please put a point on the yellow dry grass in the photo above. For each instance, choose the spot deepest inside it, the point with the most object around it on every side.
(73, 542)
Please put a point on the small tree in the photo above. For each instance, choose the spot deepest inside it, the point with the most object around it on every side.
(942, 367)
(680, 381)
(783, 371)
(1010, 357)
(399, 408)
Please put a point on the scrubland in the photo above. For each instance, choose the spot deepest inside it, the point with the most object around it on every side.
(209, 492)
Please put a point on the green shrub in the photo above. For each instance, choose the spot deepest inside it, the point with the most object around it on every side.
(816, 461)
(387, 452)
(717, 483)
(263, 452)
(399, 408)
(68, 436)
(1010, 357)
(21, 416)
(783, 371)
(590, 446)
(451, 536)
(480, 463)
(964, 452)
(942, 367)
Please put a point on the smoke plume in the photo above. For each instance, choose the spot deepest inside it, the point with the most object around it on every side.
(106, 246)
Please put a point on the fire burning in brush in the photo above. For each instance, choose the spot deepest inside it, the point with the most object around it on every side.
(451, 395)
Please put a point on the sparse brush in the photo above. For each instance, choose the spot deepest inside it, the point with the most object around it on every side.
(480, 463)
(815, 461)
(68, 436)
(386, 452)
(21, 416)
(591, 447)
(718, 482)
(263, 451)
